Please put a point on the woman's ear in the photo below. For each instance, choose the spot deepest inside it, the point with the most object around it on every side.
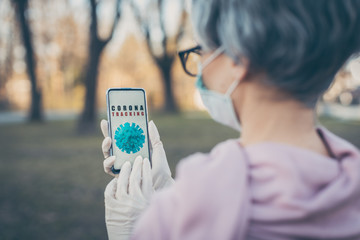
(241, 69)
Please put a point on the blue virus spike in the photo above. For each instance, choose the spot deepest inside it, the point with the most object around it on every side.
(129, 138)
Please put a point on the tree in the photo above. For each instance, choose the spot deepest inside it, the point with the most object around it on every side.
(36, 111)
(96, 47)
(168, 45)
(7, 62)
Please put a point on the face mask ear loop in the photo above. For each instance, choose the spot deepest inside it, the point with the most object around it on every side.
(215, 54)
(232, 87)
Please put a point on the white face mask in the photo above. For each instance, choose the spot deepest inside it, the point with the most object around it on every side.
(219, 106)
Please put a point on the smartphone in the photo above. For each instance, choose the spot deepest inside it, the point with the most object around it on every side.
(128, 125)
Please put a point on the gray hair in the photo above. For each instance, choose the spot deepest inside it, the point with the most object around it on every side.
(299, 44)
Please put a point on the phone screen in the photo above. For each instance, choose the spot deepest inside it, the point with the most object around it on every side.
(128, 128)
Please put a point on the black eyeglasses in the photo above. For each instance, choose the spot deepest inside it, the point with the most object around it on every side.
(190, 59)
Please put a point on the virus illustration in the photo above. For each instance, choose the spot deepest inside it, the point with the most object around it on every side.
(129, 138)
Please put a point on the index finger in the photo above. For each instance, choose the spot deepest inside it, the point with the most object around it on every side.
(123, 180)
(104, 127)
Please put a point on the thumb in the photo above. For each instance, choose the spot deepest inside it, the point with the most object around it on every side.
(154, 135)
(158, 154)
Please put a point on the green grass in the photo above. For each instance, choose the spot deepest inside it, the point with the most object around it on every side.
(52, 180)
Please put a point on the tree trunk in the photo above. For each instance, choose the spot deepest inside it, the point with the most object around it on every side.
(88, 119)
(35, 113)
(165, 66)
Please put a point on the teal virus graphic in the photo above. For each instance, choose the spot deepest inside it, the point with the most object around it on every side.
(129, 138)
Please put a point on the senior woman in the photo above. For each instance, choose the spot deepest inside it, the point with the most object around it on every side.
(264, 65)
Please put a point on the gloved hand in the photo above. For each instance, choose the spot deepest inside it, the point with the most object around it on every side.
(126, 197)
(161, 174)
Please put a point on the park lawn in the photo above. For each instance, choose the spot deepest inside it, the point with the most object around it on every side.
(52, 180)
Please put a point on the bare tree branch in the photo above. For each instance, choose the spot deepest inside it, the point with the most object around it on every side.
(182, 25)
(164, 61)
(96, 46)
(143, 25)
(116, 21)
(93, 24)
(162, 26)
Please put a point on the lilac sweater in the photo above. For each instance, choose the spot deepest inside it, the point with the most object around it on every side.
(264, 191)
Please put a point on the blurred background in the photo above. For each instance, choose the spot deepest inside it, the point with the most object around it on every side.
(57, 59)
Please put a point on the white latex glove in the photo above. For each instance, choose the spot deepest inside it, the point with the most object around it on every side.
(161, 174)
(126, 197)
